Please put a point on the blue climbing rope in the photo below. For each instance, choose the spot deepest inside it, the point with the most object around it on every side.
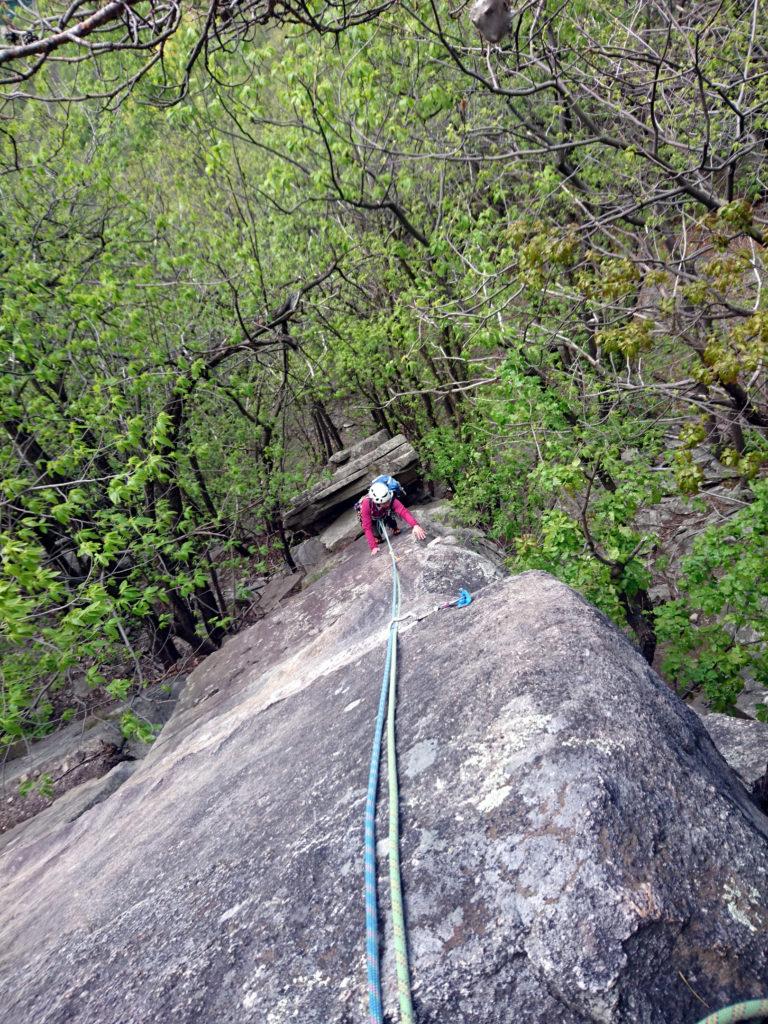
(740, 1011)
(387, 701)
(371, 902)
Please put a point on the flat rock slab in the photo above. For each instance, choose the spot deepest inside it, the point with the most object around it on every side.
(743, 744)
(67, 808)
(342, 531)
(320, 505)
(574, 847)
(278, 589)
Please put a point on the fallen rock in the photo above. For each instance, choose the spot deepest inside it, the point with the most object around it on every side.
(342, 531)
(320, 505)
(574, 847)
(309, 553)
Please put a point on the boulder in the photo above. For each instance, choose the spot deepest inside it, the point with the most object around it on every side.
(320, 505)
(309, 553)
(574, 848)
(743, 744)
(342, 531)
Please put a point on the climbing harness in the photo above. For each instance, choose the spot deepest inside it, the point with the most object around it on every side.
(751, 1010)
(387, 700)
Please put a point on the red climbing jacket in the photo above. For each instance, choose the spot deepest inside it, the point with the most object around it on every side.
(369, 512)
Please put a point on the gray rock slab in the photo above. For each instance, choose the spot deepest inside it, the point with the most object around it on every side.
(440, 519)
(574, 847)
(65, 810)
(310, 553)
(342, 531)
(743, 744)
(320, 505)
(77, 739)
(278, 589)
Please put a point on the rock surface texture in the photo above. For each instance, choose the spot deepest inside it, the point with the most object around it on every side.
(574, 847)
(743, 744)
(83, 751)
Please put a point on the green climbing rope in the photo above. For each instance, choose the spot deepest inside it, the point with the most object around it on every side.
(389, 694)
(395, 881)
(752, 1010)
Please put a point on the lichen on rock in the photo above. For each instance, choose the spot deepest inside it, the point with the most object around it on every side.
(574, 847)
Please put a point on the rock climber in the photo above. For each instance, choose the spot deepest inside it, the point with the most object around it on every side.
(381, 505)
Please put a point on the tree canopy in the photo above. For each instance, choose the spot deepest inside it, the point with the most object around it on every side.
(227, 232)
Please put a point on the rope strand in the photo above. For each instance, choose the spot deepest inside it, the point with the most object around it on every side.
(387, 702)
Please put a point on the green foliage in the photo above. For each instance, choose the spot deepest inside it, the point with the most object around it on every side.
(135, 728)
(42, 786)
(552, 298)
(717, 631)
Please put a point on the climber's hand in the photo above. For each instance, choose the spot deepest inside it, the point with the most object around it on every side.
(375, 551)
(418, 533)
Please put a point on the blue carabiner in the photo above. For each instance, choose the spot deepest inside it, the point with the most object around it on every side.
(465, 598)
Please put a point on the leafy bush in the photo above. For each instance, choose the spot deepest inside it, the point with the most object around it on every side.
(716, 633)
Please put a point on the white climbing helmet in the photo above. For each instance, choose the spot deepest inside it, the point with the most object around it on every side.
(379, 494)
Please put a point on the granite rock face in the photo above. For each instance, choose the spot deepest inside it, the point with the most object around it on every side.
(744, 744)
(320, 505)
(439, 519)
(574, 847)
